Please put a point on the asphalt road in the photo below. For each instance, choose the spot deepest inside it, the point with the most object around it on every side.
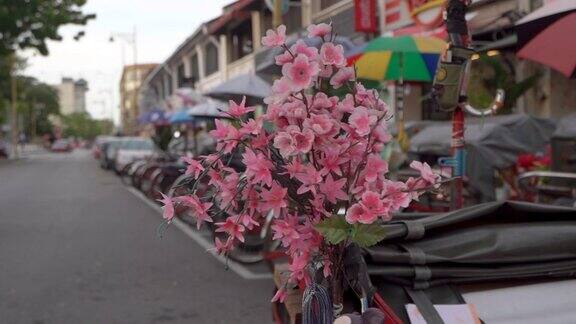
(77, 247)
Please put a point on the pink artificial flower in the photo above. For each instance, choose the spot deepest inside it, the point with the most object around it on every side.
(275, 38)
(283, 58)
(357, 213)
(295, 167)
(275, 198)
(227, 136)
(395, 195)
(300, 72)
(222, 248)
(331, 162)
(284, 142)
(331, 54)
(168, 213)
(301, 48)
(281, 89)
(302, 140)
(372, 202)
(320, 124)
(285, 230)
(319, 30)
(200, 209)
(326, 71)
(239, 110)
(375, 166)
(310, 178)
(232, 228)
(251, 127)
(194, 167)
(347, 104)
(333, 189)
(258, 167)
(280, 296)
(343, 75)
(298, 268)
(361, 121)
(425, 172)
(247, 221)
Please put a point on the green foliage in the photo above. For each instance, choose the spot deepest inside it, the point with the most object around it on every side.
(335, 230)
(484, 86)
(29, 24)
(366, 235)
(83, 126)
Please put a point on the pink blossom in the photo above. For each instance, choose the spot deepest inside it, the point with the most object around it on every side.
(232, 228)
(333, 189)
(372, 202)
(331, 54)
(284, 143)
(320, 124)
(222, 248)
(283, 58)
(239, 110)
(343, 75)
(301, 48)
(168, 208)
(194, 167)
(375, 166)
(331, 162)
(302, 140)
(251, 127)
(357, 213)
(258, 167)
(275, 38)
(310, 178)
(395, 195)
(295, 167)
(275, 198)
(247, 221)
(300, 72)
(280, 295)
(425, 172)
(326, 71)
(227, 136)
(319, 30)
(361, 121)
(200, 209)
(285, 230)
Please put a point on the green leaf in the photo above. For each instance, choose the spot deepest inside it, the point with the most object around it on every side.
(334, 229)
(367, 235)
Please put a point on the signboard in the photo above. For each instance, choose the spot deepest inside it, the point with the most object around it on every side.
(365, 16)
(402, 13)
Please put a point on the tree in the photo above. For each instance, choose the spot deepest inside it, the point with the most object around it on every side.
(29, 24)
(83, 126)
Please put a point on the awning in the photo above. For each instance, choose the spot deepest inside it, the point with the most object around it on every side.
(181, 117)
(506, 42)
(250, 85)
(210, 108)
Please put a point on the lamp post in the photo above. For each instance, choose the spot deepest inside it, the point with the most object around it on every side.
(130, 39)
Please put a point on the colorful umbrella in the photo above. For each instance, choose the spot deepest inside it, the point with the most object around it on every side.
(402, 58)
(553, 48)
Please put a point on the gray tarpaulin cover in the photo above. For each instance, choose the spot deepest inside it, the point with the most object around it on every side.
(492, 143)
(249, 85)
(493, 243)
(566, 127)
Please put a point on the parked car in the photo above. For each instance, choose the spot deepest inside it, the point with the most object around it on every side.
(62, 145)
(97, 145)
(131, 150)
(108, 151)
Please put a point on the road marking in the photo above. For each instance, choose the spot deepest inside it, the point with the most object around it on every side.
(238, 268)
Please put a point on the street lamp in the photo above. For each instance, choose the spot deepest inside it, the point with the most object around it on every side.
(130, 39)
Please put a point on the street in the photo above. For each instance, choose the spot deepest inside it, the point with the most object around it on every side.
(77, 247)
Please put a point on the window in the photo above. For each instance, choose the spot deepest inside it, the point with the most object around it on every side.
(181, 76)
(194, 69)
(211, 59)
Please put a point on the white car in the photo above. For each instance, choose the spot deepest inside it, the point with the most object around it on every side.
(131, 150)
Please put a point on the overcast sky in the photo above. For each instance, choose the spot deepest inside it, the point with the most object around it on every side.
(160, 26)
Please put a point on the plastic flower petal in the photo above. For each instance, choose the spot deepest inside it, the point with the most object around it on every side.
(331, 54)
(343, 75)
(239, 110)
(319, 30)
(168, 209)
(194, 167)
(300, 72)
(275, 38)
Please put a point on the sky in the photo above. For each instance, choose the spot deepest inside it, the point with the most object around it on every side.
(160, 27)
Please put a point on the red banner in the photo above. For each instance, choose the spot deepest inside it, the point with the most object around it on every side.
(365, 16)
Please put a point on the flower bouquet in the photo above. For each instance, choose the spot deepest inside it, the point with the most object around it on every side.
(319, 170)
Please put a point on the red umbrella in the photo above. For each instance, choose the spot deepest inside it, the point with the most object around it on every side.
(555, 46)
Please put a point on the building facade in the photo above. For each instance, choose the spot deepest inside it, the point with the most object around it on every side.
(130, 83)
(72, 95)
